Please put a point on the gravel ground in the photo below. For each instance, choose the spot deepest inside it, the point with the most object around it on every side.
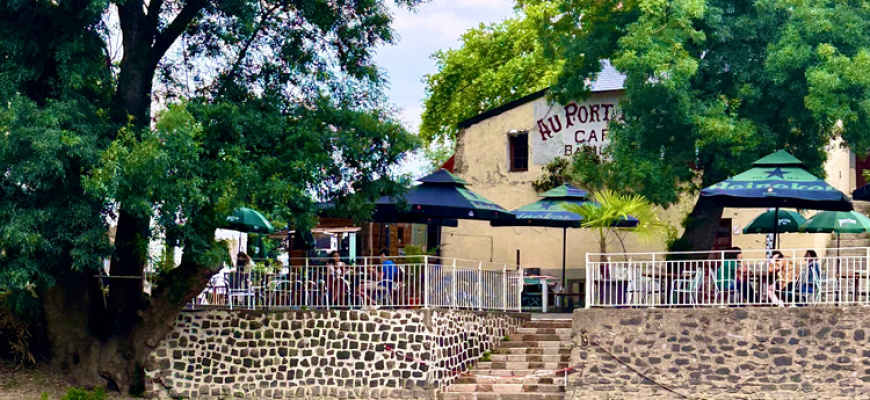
(31, 383)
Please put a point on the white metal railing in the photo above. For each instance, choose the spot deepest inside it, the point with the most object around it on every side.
(401, 282)
(728, 278)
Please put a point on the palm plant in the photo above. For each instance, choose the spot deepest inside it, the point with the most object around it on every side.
(606, 214)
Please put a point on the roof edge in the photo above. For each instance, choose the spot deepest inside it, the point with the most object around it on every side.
(502, 108)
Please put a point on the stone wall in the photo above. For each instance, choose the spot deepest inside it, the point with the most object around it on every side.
(320, 354)
(722, 353)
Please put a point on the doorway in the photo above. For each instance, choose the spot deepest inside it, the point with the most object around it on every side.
(861, 165)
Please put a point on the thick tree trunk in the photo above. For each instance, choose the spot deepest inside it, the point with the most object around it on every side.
(105, 342)
(702, 225)
(75, 314)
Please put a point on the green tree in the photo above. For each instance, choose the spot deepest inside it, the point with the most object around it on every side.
(608, 210)
(283, 106)
(494, 65)
(715, 84)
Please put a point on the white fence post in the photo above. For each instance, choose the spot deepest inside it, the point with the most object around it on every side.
(480, 285)
(589, 284)
(453, 297)
(504, 281)
(426, 282)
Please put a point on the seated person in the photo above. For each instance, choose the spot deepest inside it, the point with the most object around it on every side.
(741, 276)
(335, 282)
(389, 268)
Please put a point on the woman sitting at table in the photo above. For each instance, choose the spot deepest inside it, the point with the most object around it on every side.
(786, 277)
(335, 278)
(739, 271)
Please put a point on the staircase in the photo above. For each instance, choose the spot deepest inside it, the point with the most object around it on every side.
(851, 239)
(541, 345)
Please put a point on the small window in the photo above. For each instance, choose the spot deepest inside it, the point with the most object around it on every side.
(400, 233)
(519, 152)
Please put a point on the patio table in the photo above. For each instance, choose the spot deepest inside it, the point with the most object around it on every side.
(545, 289)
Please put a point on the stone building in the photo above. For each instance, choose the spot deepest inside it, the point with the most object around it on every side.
(502, 151)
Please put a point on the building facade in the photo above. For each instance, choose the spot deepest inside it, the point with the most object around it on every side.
(501, 152)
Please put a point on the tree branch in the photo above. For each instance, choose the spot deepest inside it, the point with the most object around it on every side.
(244, 52)
(164, 39)
(154, 13)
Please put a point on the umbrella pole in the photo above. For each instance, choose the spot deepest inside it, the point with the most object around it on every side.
(775, 225)
(564, 242)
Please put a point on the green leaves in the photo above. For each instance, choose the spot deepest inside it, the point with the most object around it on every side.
(282, 108)
(608, 208)
(496, 64)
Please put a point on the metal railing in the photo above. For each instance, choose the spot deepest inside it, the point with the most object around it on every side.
(725, 278)
(400, 282)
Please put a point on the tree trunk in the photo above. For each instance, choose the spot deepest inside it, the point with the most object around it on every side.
(75, 316)
(702, 225)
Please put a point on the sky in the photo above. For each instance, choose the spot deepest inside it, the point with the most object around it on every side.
(437, 25)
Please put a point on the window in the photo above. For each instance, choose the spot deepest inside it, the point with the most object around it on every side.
(519, 152)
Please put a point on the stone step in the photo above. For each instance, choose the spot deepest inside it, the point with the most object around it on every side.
(505, 388)
(519, 380)
(554, 344)
(515, 372)
(539, 351)
(832, 252)
(544, 331)
(501, 396)
(844, 243)
(531, 357)
(560, 324)
(537, 337)
(520, 365)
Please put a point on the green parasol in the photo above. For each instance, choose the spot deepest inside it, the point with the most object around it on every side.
(551, 211)
(248, 220)
(776, 181)
(786, 222)
(837, 222)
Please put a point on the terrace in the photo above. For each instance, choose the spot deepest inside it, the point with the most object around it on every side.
(369, 282)
(728, 278)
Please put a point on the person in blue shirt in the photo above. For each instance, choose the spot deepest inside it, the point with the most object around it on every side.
(389, 270)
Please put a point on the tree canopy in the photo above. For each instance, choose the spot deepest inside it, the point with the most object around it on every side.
(711, 85)
(495, 64)
(270, 104)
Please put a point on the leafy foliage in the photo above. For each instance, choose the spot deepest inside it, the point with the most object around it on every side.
(291, 116)
(270, 104)
(84, 394)
(495, 64)
(714, 84)
(608, 209)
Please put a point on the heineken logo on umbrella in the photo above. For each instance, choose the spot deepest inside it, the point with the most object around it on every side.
(847, 221)
(777, 172)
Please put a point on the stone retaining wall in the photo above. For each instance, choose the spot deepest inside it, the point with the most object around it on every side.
(722, 353)
(320, 354)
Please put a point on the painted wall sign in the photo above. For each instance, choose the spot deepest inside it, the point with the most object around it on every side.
(560, 131)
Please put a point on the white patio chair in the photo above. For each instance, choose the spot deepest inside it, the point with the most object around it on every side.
(641, 290)
(239, 287)
(728, 290)
(688, 286)
(827, 283)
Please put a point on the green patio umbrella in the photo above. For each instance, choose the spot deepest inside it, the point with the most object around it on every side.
(776, 181)
(248, 220)
(837, 222)
(550, 212)
(787, 221)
